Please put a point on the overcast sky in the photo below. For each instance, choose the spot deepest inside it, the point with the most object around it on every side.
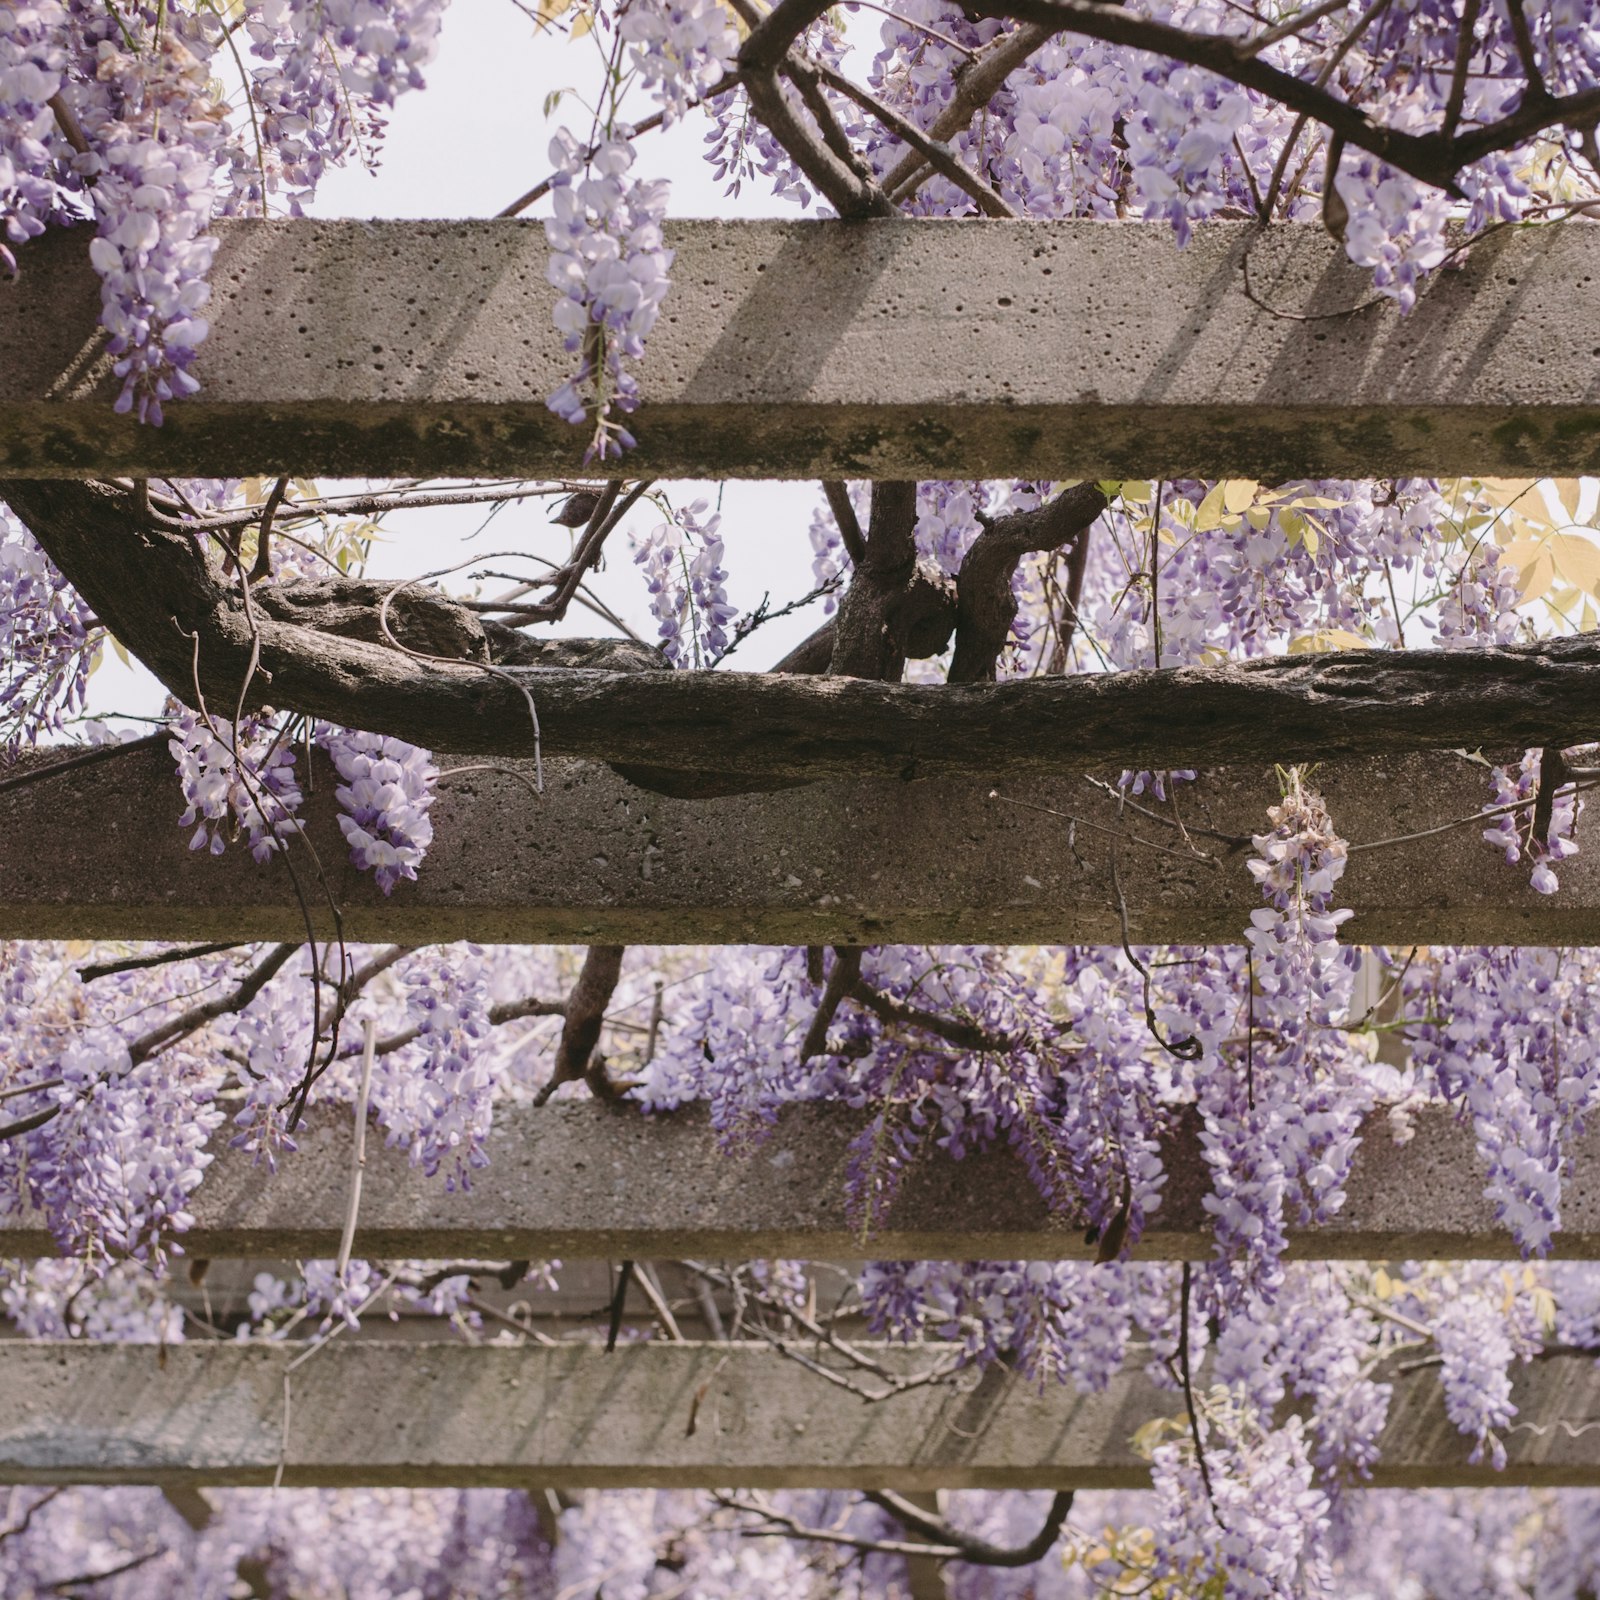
(466, 146)
(469, 145)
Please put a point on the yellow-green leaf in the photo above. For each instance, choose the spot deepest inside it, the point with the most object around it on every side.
(1239, 494)
(1505, 491)
(1535, 577)
(1147, 1437)
(1212, 509)
(1577, 559)
(1304, 644)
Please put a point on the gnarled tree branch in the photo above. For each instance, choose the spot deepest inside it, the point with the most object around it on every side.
(863, 645)
(986, 607)
(976, 84)
(1435, 158)
(155, 590)
(979, 1551)
(584, 1014)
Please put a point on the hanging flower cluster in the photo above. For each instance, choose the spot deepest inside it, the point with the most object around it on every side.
(609, 263)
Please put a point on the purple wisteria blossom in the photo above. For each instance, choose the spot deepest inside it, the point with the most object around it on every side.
(683, 567)
(680, 48)
(47, 644)
(384, 796)
(610, 265)
(236, 781)
(1512, 831)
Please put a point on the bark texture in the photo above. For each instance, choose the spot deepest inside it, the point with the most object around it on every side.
(167, 602)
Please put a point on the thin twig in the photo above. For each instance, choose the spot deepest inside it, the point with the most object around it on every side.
(187, 952)
(939, 156)
(975, 85)
(262, 569)
(1187, 1049)
(644, 1275)
(614, 1325)
(1188, 1392)
(192, 1020)
(358, 1150)
(978, 1551)
(1101, 827)
(33, 1510)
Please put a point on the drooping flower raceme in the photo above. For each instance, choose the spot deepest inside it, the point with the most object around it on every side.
(687, 584)
(1261, 1526)
(1510, 1037)
(435, 1097)
(608, 261)
(46, 644)
(384, 797)
(33, 57)
(329, 71)
(1513, 830)
(115, 114)
(681, 48)
(1280, 1091)
(236, 781)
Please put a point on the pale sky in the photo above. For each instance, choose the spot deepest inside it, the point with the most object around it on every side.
(466, 146)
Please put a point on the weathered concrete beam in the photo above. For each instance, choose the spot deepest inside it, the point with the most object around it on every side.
(590, 1181)
(871, 349)
(95, 852)
(664, 1415)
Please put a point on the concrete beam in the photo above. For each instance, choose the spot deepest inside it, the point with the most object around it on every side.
(872, 349)
(589, 1181)
(662, 1415)
(96, 853)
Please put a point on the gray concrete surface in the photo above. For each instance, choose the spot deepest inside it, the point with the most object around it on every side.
(678, 1415)
(870, 349)
(96, 852)
(586, 1181)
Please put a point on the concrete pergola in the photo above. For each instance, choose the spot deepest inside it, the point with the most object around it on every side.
(680, 1415)
(876, 349)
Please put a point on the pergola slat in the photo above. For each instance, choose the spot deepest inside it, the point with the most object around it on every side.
(870, 349)
(665, 1415)
(96, 852)
(589, 1181)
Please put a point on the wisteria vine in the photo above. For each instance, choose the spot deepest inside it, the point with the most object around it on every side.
(144, 121)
